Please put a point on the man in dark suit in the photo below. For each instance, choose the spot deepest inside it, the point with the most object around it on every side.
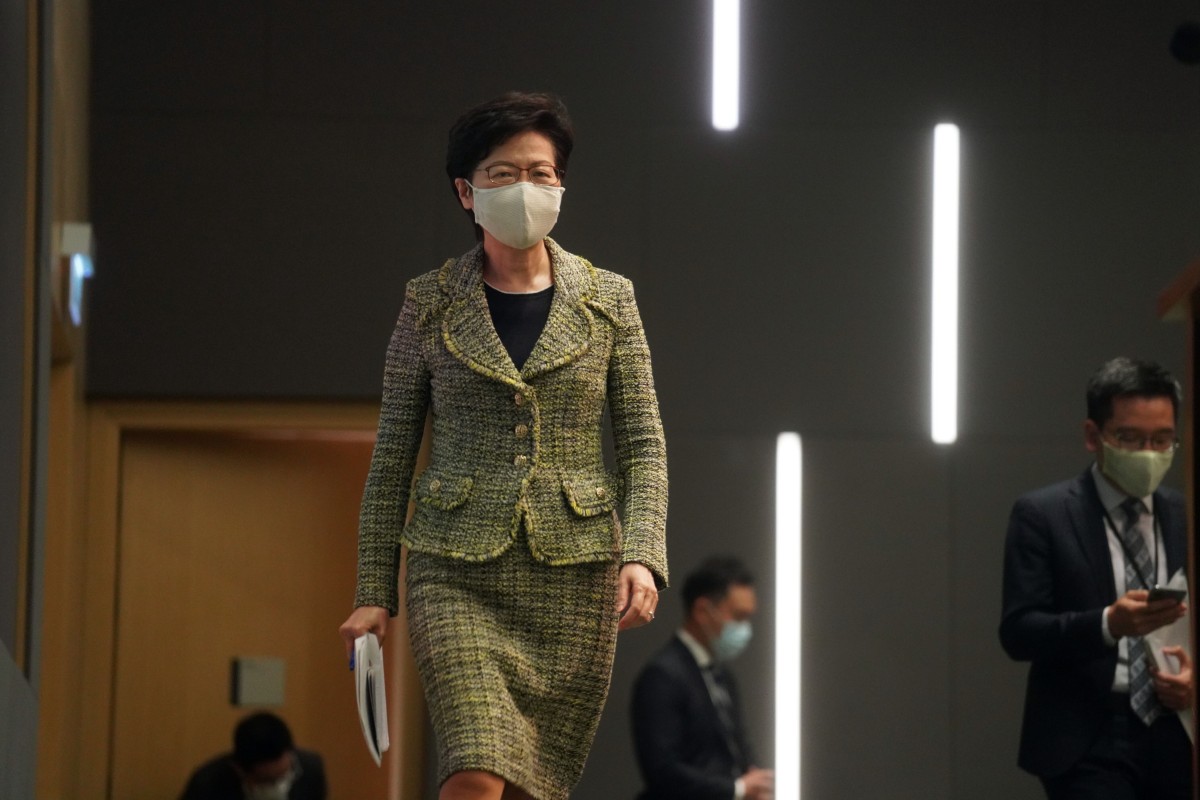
(687, 727)
(264, 765)
(1079, 561)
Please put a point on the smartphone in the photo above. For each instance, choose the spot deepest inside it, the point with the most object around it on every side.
(1163, 593)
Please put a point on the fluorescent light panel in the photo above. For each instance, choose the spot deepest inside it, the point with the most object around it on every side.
(944, 355)
(788, 573)
(81, 270)
(726, 24)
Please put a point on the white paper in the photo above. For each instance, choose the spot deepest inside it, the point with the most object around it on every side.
(370, 695)
(1176, 634)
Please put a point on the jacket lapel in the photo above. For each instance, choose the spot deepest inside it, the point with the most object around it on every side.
(568, 330)
(1087, 521)
(467, 326)
(470, 336)
(1174, 533)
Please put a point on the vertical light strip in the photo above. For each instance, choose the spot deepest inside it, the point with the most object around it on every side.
(726, 58)
(944, 355)
(788, 573)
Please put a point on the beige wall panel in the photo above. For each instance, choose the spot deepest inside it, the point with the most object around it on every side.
(233, 547)
(59, 714)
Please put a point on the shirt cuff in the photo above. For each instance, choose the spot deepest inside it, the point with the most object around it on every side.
(1109, 639)
(739, 789)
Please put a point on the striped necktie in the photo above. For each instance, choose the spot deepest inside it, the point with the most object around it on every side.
(1142, 698)
(718, 690)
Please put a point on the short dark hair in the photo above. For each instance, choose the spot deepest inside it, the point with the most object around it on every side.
(485, 127)
(260, 738)
(1123, 376)
(713, 578)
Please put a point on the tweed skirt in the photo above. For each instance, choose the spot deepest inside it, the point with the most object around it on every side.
(515, 657)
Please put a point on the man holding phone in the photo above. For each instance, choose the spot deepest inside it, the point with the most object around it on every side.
(1084, 563)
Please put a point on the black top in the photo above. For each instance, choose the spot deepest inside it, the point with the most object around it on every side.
(519, 319)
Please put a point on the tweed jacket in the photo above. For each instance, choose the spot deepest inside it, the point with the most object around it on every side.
(509, 446)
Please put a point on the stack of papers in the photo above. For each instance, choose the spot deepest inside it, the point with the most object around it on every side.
(370, 694)
(1176, 634)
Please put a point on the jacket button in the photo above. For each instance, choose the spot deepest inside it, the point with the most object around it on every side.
(435, 485)
(520, 461)
(519, 399)
(522, 430)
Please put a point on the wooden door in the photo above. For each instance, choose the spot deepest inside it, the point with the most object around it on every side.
(234, 546)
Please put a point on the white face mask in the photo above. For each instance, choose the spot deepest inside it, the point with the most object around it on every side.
(520, 214)
(273, 791)
(1137, 472)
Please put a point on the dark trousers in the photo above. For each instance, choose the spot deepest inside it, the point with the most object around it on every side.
(1130, 761)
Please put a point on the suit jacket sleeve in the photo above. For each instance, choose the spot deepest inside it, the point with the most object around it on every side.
(312, 784)
(401, 425)
(215, 778)
(662, 726)
(1051, 602)
(640, 447)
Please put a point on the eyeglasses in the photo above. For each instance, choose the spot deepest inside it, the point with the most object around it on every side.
(1159, 442)
(539, 174)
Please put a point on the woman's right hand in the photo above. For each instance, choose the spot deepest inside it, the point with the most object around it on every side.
(363, 619)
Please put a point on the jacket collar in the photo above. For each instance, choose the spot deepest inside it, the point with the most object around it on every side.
(703, 658)
(467, 325)
(1174, 532)
(1087, 521)
(1086, 511)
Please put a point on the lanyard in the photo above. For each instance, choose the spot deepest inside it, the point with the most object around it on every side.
(1129, 559)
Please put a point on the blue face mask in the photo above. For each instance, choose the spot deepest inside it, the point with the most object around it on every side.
(732, 640)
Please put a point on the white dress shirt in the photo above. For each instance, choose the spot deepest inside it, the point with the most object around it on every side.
(1112, 498)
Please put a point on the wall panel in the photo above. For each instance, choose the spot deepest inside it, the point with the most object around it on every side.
(233, 548)
(261, 216)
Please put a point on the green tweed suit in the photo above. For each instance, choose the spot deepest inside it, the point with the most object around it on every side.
(513, 448)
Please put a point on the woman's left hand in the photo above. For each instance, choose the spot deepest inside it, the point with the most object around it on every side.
(637, 596)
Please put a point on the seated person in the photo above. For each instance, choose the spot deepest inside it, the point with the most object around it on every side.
(264, 765)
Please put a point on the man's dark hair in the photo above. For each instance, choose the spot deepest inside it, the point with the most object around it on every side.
(1128, 376)
(260, 738)
(713, 578)
(485, 127)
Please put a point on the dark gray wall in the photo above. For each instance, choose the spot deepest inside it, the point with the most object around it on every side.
(267, 175)
(18, 702)
(14, 84)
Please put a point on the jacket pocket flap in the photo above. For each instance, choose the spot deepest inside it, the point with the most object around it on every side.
(443, 491)
(589, 497)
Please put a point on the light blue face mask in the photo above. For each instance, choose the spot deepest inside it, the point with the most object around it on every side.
(732, 640)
